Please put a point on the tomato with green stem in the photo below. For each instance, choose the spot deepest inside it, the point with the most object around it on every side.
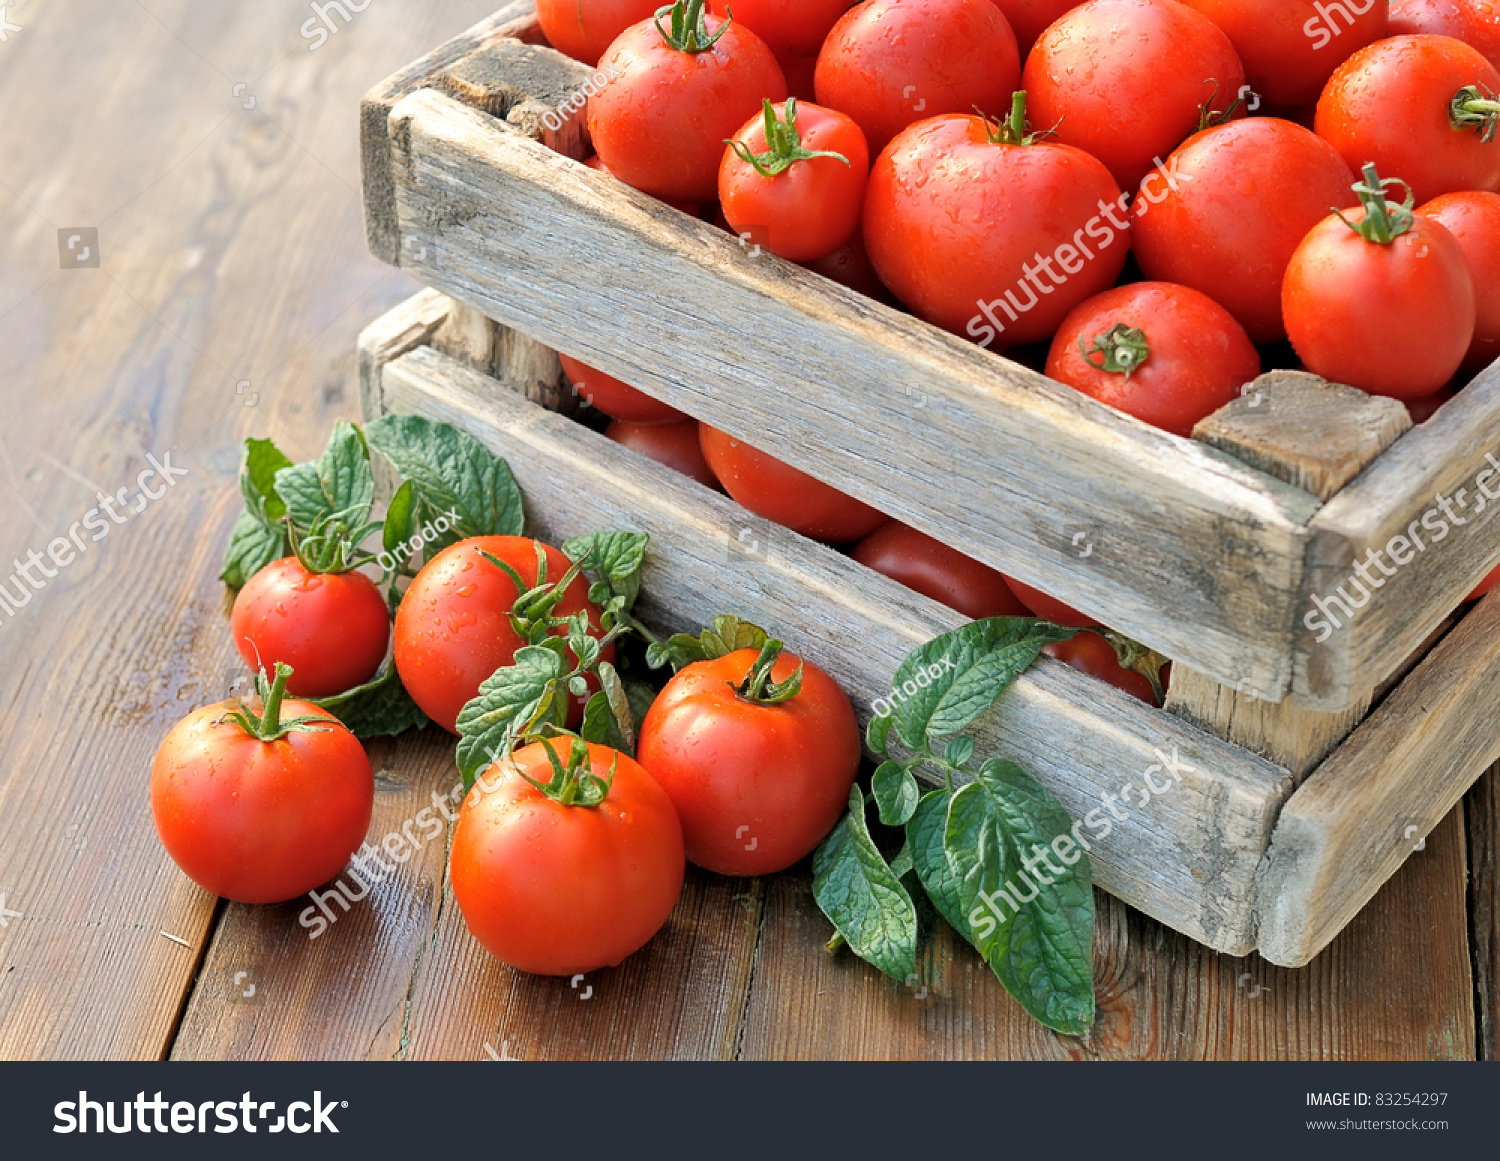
(935, 570)
(261, 801)
(795, 176)
(757, 751)
(567, 857)
(1380, 299)
(1473, 217)
(585, 28)
(1420, 108)
(614, 398)
(676, 94)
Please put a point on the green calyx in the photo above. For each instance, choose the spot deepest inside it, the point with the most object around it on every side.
(759, 689)
(531, 616)
(783, 143)
(1208, 116)
(574, 784)
(1383, 222)
(331, 545)
(1137, 658)
(689, 26)
(1012, 131)
(1473, 108)
(267, 726)
(1124, 349)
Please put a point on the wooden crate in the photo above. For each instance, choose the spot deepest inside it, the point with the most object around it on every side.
(1237, 854)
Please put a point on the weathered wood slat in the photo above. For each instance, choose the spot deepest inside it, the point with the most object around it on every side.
(1482, 808)
(1187, 856)
(1192, 552)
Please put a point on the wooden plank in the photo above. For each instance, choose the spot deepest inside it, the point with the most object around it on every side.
(1192, 553)
(1187, 856)
(1362, 813)
(1482, 808)
(1444, 461)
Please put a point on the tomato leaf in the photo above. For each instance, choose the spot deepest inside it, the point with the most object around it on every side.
(619, 703)
(262, 460)
(863, 897)
(1041, 947)
(399, 520)
(727, 635)
(600, 724)
(896, 793)
(338, 483)
(380, 708)
(453, 474)
(924, 837)
(641, 695)
(617, 557)
(512, 700)
(259, 537)
(943, 686)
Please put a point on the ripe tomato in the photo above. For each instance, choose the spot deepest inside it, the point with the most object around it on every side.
(1290, 47)
(1049, 608)
(1394, 104)
(691, 209)
(660, 123)
(1475, 22)
(792, 29)
(850, 266)
(552, 886)
(1243, 197)
(1423, 409)
(962, 218)
(1029, 18)
(1473, 218)
(331, 628)
(616, 399)
(453, 627)
(264, 806)
(933, 569)
(1097, 657)
(1126, 80)
(1350, 282)
(890, 63)
(1485, 585)
(758, 783)
(803, 192)
(674, 444)
(584, 28)
(781, 493)
(1165, 354)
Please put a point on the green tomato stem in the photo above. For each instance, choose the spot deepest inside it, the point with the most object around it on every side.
(783, 143)
(689, 26)
(1472, 108)
(1383, 222)
(1124, 349)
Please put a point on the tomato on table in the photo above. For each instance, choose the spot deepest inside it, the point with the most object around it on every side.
(332, 628)
(1165, 354)
(1049, 608)
(674, 444)
(935, 570)
(1094, 655)
(566, 859)
(264, 800)
(1473, 217)
(783, 494)
(757, 750)
(585, 28)
(1475, 22)
(615, 399)
(454, 626)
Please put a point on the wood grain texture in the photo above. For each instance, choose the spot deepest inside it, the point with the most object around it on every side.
(1186, 855)
(1362, 813)
(1482, 810)
(1193, 553)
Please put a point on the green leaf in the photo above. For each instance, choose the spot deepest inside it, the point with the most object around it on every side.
(398, 529)
(262, 460)
(896, 793)
(641, 694)
(1041, 948)
(619, 703)
(338, 483)
(252, 545)
(924, 837)
(513, 698)
(863, 897)
(600, 724)
(944, 685)
(380, 708)
(453, 474)
(617, 557)
(877, 733)
(727, 635)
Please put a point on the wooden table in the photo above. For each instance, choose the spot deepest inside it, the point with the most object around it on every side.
(232, 280)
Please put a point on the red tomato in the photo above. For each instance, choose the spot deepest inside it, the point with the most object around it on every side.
(850, 266)
(691, 209)
(331, 628)
(933, 569)
(792, 29)
(1245, 196)
(453, 627)
(890, 63)
(961, 221)
(1474, 219)
(1475, 22)
(585, 28)
(757, 785)
(1165, 354)
(1485, 585)
(1096, 656)
(803, 203)
(1029, 18)
(674, 444)
(1290, 47)
(1344, 293)
(1393, 104)
(661, 120)
(1126, 80)
(616, 399)
(781, 493)
(1049, 608)
(1423, 409)
(558, 888)
(261, 821)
